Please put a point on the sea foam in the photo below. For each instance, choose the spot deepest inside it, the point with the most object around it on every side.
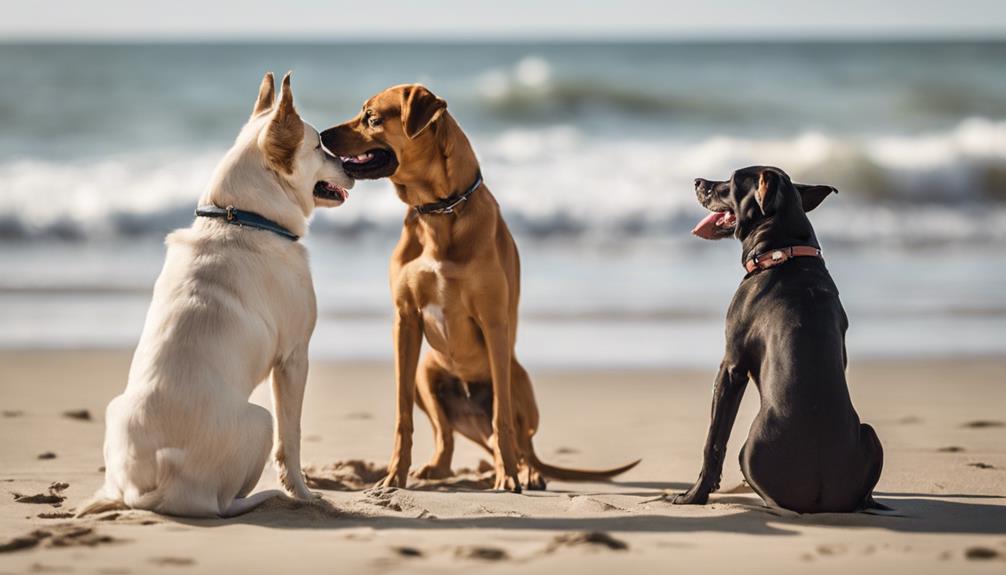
(560, 181)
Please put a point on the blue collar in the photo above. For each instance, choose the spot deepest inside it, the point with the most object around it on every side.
(242, 218)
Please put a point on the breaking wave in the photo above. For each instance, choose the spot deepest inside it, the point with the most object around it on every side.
(938, 187)
(530, 91)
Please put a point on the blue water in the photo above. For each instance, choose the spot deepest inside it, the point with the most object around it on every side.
(590, 149)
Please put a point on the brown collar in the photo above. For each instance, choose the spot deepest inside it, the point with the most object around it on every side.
(772, 258)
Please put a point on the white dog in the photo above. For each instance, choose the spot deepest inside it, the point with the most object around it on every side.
(233, 304)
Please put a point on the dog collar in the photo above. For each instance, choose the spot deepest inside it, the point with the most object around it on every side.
(238, 217)
(772, 258)
(447, 205)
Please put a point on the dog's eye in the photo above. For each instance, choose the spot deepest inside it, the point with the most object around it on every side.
(373, 121)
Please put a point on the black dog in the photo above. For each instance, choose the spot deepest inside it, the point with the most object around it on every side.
(807, 450)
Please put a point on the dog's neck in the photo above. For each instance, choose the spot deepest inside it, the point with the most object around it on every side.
(450, 172)
(788, 227)
(241, 181)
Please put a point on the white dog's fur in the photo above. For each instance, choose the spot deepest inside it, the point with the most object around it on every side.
(232, 305)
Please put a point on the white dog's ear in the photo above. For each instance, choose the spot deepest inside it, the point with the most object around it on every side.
(285, 131)
(420, 109)
(266, 95)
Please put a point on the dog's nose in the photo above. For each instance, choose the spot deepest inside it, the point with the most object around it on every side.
(330, 139)
(700, 184)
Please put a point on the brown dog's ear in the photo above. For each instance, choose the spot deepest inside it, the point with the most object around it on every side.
(420, 108)
(767, 193)
(285, 131)
(266, 94)
(812, 196)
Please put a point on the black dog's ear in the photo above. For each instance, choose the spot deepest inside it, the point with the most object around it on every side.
(420, 108)
(812, 196)
(767, 193)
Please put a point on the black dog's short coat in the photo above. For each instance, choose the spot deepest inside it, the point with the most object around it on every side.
(807, 450)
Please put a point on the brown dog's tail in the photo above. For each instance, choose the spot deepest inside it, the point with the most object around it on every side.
(566, 474)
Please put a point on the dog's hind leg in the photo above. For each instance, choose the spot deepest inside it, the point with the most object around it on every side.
(874, 452)
(259, 421)
(533, 479)
(749, 476)
(855, 490)
(428, 378)
(180, 489)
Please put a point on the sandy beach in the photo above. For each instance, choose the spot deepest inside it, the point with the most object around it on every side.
(941, 421)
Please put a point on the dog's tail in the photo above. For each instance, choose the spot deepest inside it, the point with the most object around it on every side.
(100, 503)
(871, 506)
(567, 474)
(112, 497)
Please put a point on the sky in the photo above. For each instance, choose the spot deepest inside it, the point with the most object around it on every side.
(335, 20)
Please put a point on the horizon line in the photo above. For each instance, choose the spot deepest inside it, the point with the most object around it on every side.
(440, 37)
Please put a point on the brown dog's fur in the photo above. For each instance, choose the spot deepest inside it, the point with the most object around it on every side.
(455, 279)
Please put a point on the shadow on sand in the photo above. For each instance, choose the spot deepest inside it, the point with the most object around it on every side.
(913, 514)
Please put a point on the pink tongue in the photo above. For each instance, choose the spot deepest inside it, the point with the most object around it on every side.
(707, 228)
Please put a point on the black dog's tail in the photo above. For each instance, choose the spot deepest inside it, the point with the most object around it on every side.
(872, 507)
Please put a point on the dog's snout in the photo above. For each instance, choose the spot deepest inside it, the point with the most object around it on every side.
(703, 186)
(328, 139)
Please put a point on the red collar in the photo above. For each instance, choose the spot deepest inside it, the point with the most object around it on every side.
(772, 258)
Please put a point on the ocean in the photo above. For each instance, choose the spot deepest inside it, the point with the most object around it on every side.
(590, 148)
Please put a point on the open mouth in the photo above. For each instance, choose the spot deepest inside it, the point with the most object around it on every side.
(376, 163)
(330, 192)
(716, 225)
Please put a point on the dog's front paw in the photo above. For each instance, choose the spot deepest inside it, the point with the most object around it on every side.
(506, 482)
(294, 485)
(301, 493)
(394, 480)
(697, 495)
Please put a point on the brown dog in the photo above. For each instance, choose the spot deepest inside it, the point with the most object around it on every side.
(455, 278)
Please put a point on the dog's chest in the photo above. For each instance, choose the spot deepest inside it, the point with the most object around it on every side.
(435, 293)
(433, 319)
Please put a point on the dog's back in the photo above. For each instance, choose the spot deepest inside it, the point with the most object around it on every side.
(214, 328)
(806, 447)
(792, 323)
